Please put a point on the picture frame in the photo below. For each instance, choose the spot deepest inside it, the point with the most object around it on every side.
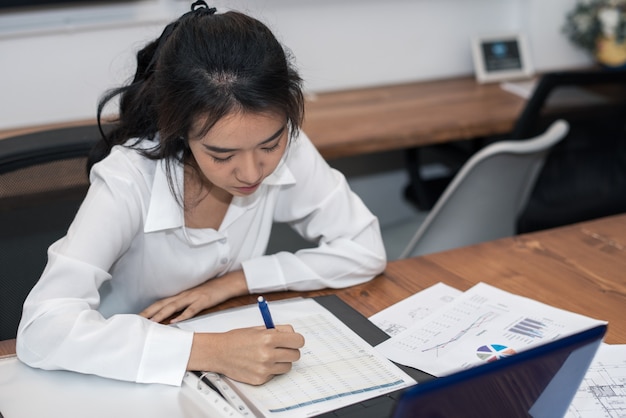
(501, 57)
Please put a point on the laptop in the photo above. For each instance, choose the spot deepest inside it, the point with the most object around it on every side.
(539, 382)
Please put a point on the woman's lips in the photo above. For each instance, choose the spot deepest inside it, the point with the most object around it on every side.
(247, 189)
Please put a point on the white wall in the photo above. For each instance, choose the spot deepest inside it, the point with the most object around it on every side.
(55, 64)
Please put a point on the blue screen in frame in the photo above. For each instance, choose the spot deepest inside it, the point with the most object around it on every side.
(501, 55)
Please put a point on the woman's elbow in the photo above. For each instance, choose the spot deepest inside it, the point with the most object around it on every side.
(36, 342)
(23, 342)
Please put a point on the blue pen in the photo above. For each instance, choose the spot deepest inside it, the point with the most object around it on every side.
(265, 312)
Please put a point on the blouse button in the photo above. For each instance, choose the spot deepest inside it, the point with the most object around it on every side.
(222, 241)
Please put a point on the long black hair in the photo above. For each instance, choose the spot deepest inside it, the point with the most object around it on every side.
(203, 64)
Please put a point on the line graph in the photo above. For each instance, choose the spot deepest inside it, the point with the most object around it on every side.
(478, 322)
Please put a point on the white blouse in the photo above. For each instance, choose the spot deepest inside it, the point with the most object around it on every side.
(128, 247)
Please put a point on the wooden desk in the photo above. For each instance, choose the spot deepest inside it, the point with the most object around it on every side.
(578, 267)
(359, 121)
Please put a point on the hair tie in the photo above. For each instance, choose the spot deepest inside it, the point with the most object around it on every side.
(201, 4)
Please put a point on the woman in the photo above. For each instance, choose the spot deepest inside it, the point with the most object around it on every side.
(207, 153)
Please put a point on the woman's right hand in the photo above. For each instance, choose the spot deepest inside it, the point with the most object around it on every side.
(248, 355)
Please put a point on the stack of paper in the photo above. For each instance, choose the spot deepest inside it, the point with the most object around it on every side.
(442, 330)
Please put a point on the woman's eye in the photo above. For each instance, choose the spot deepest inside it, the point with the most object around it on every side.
(221, 160)
(272, 148)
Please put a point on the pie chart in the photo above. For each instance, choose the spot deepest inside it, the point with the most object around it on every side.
(492, 352)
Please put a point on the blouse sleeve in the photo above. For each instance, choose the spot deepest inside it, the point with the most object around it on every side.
(61, 327)
(322, 208)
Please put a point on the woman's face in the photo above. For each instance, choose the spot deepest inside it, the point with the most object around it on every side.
(240, 150)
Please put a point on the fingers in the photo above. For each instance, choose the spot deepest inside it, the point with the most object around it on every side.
(288, 338)
(283, 359)
(287, 355)
(153, 309)
(279, 350)
(165, 308)
(275, 370)
(190, 312)
(285, 328)
(279, 361)
(159, 311)
(188, 303)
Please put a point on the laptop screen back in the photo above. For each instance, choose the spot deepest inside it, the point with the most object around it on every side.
(540, 382)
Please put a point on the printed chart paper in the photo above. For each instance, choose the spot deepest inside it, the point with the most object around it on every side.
(405, 313)
(337, 367)
(481, 325)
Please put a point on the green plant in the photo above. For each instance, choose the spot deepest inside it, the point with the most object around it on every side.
(591, 20)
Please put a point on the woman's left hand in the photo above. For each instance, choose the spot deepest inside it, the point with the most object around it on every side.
(196, 299)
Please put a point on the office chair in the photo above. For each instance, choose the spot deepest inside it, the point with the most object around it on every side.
(584, 176)
(485, 197)
(43, 180)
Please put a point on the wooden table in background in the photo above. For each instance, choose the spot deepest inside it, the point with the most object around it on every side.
(580, 268)
(359, 121)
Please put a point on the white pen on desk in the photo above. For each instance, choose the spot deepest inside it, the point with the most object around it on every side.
(265, 312)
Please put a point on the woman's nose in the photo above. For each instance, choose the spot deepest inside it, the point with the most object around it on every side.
(250, 171)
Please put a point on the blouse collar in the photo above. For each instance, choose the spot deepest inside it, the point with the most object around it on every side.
(165, 212)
